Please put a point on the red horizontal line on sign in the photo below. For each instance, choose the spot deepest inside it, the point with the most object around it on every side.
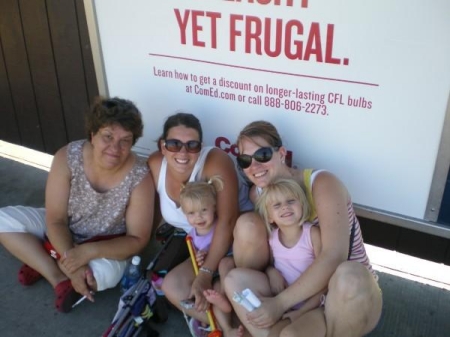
(266, 71)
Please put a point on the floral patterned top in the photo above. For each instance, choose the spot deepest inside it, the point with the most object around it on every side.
(96, 214)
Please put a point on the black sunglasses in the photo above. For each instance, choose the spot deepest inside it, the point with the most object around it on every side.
(262, 155)
(175, 145)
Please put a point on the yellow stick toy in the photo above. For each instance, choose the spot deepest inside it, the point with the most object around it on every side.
(209, 313)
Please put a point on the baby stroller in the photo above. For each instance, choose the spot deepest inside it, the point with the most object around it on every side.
(141, 303)
(136, 307)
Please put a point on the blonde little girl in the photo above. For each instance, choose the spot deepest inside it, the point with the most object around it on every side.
(294, 244)
(198, 203)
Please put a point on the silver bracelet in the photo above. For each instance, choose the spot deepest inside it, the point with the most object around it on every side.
(206, 270)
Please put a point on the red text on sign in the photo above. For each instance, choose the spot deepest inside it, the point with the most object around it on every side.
(197, 21)
(257, 36)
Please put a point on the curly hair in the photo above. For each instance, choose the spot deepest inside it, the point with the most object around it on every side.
(109, 111)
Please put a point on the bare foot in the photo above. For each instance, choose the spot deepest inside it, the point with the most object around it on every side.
(218, 300)
(239, 332)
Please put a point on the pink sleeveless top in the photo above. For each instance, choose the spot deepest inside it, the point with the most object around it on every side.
(292, 262)
(357, 252)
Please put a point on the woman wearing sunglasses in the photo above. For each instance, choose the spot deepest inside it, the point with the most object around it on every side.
(181, 159)
(353, 303)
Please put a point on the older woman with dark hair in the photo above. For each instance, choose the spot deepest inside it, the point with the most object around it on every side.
(98, 209)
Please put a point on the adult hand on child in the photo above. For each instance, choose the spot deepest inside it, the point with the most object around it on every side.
(267, 314)
(201, 283)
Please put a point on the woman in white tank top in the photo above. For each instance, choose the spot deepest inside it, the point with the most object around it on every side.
(181, 159)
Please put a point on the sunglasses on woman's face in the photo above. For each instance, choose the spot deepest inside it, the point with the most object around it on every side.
(175, 145)
(262, 155)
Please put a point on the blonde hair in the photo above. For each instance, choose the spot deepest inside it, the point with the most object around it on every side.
(284, 186)
(198, 192)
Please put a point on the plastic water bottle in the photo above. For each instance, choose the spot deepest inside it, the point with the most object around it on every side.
(131, 275)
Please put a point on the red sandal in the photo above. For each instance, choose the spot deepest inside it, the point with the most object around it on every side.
(66, 296)
(28, 276)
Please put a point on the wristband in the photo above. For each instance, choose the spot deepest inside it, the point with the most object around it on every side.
(206, 270)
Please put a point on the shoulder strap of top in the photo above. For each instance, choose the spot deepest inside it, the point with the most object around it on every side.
(162, 176)
(138, 171)
(200, 164)
(75, 156)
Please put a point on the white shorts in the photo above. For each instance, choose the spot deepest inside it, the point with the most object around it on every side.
(23, 219)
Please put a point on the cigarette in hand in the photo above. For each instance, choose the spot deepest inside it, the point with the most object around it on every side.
(81, 299)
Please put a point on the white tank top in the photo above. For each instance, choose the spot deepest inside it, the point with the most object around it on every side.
(171, 213)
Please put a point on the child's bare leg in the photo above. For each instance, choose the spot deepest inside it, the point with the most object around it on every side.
(217, 299)
(239, 332)
(222, 310)
(224, 321)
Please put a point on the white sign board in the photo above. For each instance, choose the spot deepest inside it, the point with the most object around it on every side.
(356, 87)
